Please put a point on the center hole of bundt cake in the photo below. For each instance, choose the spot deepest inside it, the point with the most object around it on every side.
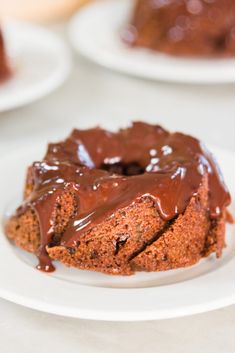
(128, 169)
(219, 42)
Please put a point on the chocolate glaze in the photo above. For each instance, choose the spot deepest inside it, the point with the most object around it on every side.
(167, 167)
(183, 27)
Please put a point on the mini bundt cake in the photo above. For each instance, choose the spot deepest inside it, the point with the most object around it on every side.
(184, 27)
(141, 199)
(4, 65)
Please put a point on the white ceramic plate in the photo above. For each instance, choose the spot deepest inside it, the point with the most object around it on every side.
(40, 60)
(82, 294)
(95, 32)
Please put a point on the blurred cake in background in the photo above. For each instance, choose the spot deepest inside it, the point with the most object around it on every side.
(184, 27)
(5, 71)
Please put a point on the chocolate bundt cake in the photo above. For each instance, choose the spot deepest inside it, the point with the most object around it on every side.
(4, 65)
(139, 199)
(184, 27)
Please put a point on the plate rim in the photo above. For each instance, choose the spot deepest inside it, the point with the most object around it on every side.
(48, 303)
(47, 85)
(88, 50)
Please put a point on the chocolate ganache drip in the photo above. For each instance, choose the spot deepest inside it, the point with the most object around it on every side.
(107, 171)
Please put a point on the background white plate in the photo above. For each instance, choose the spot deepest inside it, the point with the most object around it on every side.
(40, 60)
(95, 32)
(83, 294)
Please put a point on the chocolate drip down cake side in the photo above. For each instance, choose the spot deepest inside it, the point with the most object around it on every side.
(141, 199)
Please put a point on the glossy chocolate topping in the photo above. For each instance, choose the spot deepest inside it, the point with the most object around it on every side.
(107, 171)
(184, 27)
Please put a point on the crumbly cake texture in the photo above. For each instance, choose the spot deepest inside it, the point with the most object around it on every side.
(184, 28)
(153, 245)
(5, 70)
(134, 236)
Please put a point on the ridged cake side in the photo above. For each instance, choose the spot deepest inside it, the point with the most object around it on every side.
(141, 199)
(134, 238)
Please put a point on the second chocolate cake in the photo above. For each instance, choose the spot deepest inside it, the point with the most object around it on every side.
(184, 27)
(139, 199)
(5, 70)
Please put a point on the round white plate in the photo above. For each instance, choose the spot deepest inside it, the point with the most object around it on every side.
(40, 61)
(206, 286)
(95, 32)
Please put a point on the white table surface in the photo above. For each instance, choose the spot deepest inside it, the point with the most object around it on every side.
(95, 96)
